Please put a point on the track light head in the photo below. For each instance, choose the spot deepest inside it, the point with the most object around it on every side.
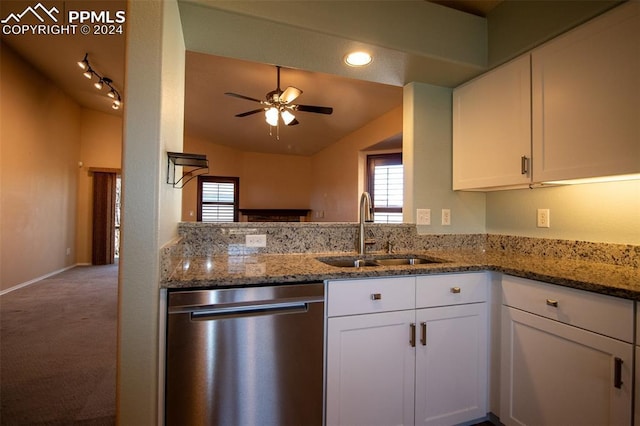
(84, 64)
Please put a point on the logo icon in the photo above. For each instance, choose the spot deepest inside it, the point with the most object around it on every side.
(17, 17)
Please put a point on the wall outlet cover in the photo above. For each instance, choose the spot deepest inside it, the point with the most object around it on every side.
(256, 240)
(543, 218)
(446, 217)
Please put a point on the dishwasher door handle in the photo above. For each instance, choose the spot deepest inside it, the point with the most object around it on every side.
(250, 311)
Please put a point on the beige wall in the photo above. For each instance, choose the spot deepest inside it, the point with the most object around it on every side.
(100, 146)
(153, 125)
(39, 153)
(223, 161)
(267, 181)
(337, 175)
(275, 181)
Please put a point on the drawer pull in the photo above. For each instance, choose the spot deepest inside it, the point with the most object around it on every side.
(423, 335)
(552, 302)
(376, 296)
(617, 374)
(412, 339)
(455, 290)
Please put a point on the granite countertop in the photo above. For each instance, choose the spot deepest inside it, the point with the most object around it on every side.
(219, 271)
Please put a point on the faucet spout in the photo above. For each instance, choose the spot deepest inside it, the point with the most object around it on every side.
(365, 216)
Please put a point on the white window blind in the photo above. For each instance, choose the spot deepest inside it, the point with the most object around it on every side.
(386, 184)
(218, 200)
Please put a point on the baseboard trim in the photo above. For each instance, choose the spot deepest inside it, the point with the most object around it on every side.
(35, 280)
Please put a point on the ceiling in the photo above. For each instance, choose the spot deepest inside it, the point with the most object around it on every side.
(209, 114)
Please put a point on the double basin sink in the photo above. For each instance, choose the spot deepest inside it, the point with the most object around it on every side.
(381, 260)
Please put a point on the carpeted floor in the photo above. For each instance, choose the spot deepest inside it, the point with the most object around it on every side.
(58, 350)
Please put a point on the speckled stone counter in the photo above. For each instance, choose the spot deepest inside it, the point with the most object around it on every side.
(215, 257)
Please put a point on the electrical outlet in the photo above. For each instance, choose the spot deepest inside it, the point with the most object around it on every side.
(544, 219)
(446, 217)
(423, 216)
(256, 240)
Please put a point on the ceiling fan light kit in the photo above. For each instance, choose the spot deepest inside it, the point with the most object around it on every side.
(278, 106)
(102, 81)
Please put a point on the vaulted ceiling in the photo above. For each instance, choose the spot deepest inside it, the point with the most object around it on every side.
(209, 114)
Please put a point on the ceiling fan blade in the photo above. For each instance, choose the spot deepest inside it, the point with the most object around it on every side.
(289, 94)
(316, 109)
(293, 122)
(235, 95)
(255, 111)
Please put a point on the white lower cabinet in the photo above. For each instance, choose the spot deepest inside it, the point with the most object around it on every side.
(553, 370)
(451, 364)
(371, 369)
(423, 363)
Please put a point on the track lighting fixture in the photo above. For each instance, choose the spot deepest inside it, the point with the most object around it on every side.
(102, 81)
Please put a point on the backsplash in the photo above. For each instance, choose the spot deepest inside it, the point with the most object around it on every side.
(614, 254)
(305, 237)
(208, 239)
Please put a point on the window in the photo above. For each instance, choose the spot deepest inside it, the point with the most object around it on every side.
(385, 178)
(217, 199)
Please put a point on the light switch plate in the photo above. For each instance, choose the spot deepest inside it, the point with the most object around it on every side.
(423, 216)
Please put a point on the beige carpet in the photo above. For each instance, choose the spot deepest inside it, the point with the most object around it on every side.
(58, 350)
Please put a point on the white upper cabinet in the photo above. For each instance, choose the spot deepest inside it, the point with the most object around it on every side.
(586, 99)
(570, 109)
(492, 128)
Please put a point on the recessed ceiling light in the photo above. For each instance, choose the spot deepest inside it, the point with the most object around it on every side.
(358, 59)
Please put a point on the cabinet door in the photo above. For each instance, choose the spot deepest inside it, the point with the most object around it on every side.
(637, 395)
(586, 99)
(492, 128)
(451, 364)
(556, 374)
(370, 369)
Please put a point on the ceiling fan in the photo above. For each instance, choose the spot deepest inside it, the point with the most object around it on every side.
(278, 105)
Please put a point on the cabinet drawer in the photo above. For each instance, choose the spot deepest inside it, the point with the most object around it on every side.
(607, 315)
(351, 297)
(451, 289)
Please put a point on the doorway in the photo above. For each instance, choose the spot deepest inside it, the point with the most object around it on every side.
(105, 241)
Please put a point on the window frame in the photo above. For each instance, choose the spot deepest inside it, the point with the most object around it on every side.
(220, 179)
(373, 160)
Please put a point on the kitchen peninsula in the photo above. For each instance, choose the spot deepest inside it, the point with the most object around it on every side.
(477, 296)
(214, 256)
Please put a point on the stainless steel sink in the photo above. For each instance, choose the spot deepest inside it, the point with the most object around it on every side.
(347, 262)
(405, 261)
(359, 262)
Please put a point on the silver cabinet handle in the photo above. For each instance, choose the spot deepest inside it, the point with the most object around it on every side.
(423, 334)
(524, 165)
(551, 302)
(455, 290)
(412, 339)
(376, 296)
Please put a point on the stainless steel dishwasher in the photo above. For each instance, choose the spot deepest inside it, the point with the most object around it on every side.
(245, 356)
